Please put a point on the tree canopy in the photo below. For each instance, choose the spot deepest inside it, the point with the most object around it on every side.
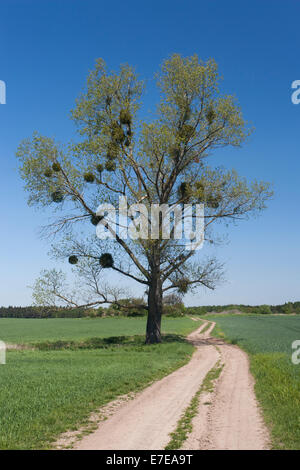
(158, 159)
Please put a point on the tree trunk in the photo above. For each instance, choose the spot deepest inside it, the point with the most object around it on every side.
(153, 334)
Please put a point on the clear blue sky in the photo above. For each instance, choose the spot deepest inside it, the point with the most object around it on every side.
(47, 49)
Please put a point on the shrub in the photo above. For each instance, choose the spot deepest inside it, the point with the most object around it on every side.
(263, 310)
(173, 310)
(172, 299)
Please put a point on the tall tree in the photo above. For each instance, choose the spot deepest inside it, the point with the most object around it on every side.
(158, 161)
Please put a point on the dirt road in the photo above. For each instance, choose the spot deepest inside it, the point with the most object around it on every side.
(230, 421)
(229, 417)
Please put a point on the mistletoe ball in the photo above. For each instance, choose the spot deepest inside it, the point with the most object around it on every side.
(56, 167)
(57, 196)
(106, 260)
(89, 177)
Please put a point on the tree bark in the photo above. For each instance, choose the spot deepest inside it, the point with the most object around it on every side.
(153, 334)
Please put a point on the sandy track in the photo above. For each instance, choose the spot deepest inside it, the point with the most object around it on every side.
(146, 421)
(228, 418)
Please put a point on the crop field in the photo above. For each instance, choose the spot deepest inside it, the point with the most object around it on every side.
(46, 392)
(22, 331)
(268, 339)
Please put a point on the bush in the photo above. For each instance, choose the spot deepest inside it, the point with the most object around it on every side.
(174, 310)
(263, 310)
(288, 308)
(172, 299)
(128, 307)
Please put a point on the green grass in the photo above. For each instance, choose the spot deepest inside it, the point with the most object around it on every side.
(45, 393)
(267, 340)
(22, 331)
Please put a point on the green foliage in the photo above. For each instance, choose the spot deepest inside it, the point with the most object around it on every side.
(113, 151)
(37, 312)
(174, 151)
(186, 132)
(184, 190)
(57, 196)
(173, 310)
(110, 165)
(125, 117)
(263, 309)
(186, 82)
(48, 173)
(89, 177)
(182, 285)
(131, 307)
(108, 93)
(214, 201)
(289, 307)
(151, 161)
(56, 167)
(210, 115)
(117, 133)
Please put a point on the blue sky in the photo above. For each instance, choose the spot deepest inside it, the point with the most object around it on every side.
(47, 49)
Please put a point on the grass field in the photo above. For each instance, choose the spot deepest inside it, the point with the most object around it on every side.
(44, 393)
(22, 331)
(267, 340)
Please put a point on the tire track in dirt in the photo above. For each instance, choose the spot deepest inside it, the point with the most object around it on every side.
(229, 418)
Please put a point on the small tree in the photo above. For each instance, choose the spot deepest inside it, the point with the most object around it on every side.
(162, 161)
(172, 299)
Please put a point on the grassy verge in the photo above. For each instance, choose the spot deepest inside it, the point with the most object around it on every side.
(185, 426)
(268, 341)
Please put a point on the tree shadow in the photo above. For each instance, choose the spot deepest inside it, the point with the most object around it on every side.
(112, 342)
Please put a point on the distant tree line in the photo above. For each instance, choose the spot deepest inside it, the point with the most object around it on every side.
(43, 312)
(173, 306)
(130, 307)
(288, 307)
